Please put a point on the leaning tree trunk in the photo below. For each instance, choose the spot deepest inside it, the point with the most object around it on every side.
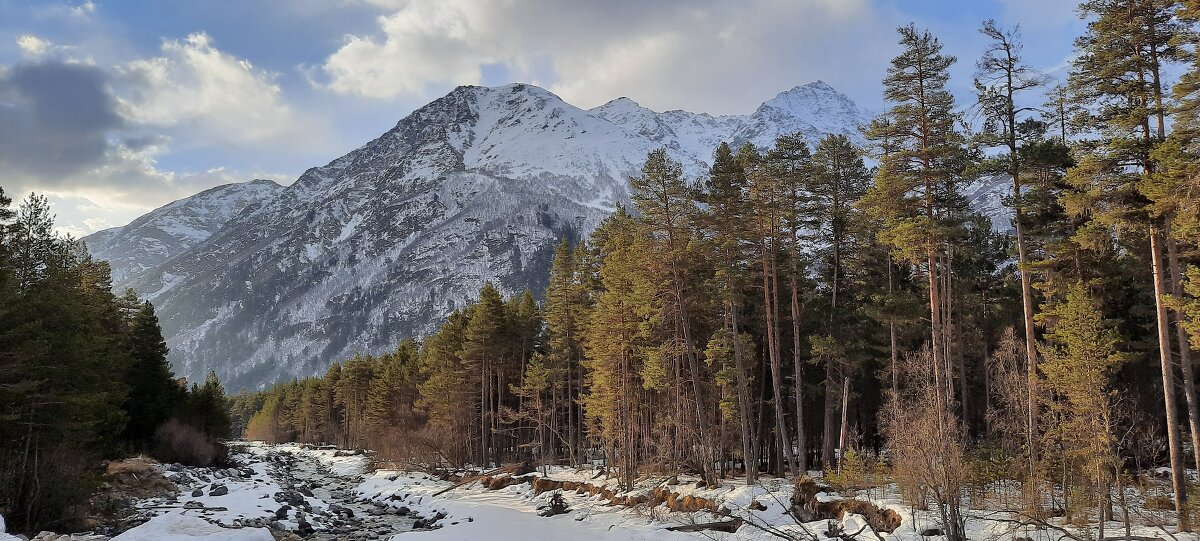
(1168, 380)
(1185, 349)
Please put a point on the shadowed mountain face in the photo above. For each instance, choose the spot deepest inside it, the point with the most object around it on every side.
(263, 283)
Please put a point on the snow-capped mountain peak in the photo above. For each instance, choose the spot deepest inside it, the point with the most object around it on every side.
(382, 243)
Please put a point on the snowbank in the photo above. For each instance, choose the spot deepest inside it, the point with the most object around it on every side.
(177, 526)
(4, 536)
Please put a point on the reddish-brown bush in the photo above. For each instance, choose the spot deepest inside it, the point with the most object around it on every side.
(179, 442)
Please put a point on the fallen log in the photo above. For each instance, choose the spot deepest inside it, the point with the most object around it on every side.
(515, 469)
(727, 526)
(183, 507)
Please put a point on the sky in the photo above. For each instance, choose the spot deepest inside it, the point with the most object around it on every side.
(111, 108)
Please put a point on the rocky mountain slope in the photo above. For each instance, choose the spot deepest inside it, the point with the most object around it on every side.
(176, 227)
(384, 242)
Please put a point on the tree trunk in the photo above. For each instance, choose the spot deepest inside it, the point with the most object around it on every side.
(1185, 348)
(892, 334)
(1178, 483)
(749, 448)
(827, 441)
(773, 352)
(845, 422)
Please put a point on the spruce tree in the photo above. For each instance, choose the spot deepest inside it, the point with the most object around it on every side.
(209, 409)
(154, 393)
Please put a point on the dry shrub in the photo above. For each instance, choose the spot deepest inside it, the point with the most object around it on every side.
(179, 442)
(924, 442)
(138, 477)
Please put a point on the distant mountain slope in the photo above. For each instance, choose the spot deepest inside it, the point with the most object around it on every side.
(175, 227)
(384, 242)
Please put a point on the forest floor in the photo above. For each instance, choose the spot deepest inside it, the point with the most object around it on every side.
(292, 492)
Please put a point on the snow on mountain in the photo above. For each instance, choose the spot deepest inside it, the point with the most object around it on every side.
(814, 110)
(175, 227)
(384, 242)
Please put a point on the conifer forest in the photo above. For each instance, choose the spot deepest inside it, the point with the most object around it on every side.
(809, 309)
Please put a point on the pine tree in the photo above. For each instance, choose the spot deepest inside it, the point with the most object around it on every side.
(392, 391)
(445, 392)
(839, 180)
(725, 197)
(616, 342)
(792, 162)
(1001, 78)
(1119, 71)
(565, 313)
(483, 356)
(768, 196)
(1080, 359)
(665, 204)
(916, 176)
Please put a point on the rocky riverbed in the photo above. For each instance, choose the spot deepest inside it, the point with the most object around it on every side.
(269, 492)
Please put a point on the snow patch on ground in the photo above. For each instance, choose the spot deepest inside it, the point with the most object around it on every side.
(4, 536)
(178, 526)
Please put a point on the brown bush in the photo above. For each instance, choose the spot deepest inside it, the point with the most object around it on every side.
(179, 442)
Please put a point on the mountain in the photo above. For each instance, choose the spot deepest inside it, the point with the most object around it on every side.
(175, 227)
(384, 242)
(814, 110)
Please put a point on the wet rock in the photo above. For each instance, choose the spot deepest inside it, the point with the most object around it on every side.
(193, 504)
(197, 493)
(218, 490)
(302, 526)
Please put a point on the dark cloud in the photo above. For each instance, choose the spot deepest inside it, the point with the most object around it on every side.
(55, 118)
(143, 140)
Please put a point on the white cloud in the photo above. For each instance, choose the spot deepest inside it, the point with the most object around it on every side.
(707, 55)
(193, 85)
(33, 46)
(36, 48)
(427, 42)
(127, 185)
(84, 9)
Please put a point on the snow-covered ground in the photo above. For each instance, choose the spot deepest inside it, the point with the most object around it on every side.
(473, 511)
(294, 492)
